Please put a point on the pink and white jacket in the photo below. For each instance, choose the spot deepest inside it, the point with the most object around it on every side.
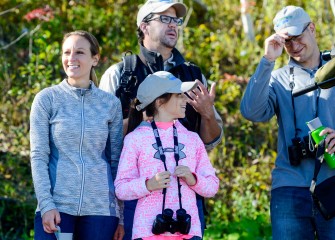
(140, 161)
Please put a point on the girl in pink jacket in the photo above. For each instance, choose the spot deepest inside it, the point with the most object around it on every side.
(162, 164)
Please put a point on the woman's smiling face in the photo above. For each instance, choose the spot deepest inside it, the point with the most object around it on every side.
(77, 58)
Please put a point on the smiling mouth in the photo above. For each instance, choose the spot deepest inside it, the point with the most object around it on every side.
(297, 52)
(73, 66)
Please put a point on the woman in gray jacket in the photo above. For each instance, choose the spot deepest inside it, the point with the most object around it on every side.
(76, 140)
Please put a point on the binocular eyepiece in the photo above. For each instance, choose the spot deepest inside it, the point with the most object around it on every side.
(165, 223)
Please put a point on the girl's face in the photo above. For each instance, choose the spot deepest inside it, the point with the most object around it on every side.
(77, 58)
(174, 108)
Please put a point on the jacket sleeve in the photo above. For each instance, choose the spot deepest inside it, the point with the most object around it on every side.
(40, 115)
(116, 137)
(207, 184)
(110, 80)
(259, 100)
(129, 185)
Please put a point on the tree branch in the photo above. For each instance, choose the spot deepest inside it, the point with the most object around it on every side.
(11, 10)
(15, 41)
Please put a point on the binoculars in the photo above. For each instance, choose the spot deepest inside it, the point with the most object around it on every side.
(165, 223)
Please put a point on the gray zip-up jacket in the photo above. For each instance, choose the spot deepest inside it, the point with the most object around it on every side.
(268, 93)
(76, 141)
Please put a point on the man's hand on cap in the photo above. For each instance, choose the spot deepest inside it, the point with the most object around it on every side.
(274, 46)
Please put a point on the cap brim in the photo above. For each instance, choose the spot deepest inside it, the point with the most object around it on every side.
(180, 9)
(184, 87)
(188, 86)
(293, 30)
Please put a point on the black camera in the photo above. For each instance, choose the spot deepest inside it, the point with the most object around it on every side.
(299, 150)
(165, 223)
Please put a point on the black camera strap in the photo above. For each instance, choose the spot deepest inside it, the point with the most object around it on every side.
(163, 158)
(318, 162)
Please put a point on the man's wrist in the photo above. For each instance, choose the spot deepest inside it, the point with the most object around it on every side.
(269, 58)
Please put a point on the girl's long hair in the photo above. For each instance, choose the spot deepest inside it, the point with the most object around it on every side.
(135, 117)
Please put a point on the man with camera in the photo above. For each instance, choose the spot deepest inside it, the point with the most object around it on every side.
(269, 93)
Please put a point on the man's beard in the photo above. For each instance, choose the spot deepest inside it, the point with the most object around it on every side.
(168, 42)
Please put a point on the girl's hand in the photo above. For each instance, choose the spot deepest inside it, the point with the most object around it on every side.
(185, 173)
(159, 181)
(50, 220)
(119, 233)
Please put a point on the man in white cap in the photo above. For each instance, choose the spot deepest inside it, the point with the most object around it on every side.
(269, 93)
(158, 22)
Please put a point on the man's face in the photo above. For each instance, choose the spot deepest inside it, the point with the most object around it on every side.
(303, 47)
(160, 34)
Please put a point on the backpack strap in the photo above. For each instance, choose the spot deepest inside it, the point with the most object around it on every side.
(129, 67)
(127, 81)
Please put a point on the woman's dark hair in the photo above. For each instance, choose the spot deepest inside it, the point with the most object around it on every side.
(94, 47)
(135, 117)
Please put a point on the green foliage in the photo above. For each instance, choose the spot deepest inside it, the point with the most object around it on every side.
(243, 162)
(17, 202)
(213, 38)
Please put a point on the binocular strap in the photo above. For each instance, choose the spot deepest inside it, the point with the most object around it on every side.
(163, 158)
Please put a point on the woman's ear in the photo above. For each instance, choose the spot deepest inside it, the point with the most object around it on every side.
(96, 60)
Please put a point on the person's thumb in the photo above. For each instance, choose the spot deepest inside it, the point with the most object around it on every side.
(212, 93)
(57, 218)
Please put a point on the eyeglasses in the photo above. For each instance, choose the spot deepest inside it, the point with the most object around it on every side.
(288, 42)
(167, 20)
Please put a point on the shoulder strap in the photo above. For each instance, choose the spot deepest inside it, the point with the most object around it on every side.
(318, 161)
(127, 81)
(129, 67)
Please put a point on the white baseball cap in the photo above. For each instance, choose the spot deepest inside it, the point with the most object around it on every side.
(158, 6)
(292, 19)
(159, 83)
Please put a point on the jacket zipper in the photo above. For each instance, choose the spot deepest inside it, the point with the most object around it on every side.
(81, 154)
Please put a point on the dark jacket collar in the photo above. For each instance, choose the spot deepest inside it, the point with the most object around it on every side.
(155, 60)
